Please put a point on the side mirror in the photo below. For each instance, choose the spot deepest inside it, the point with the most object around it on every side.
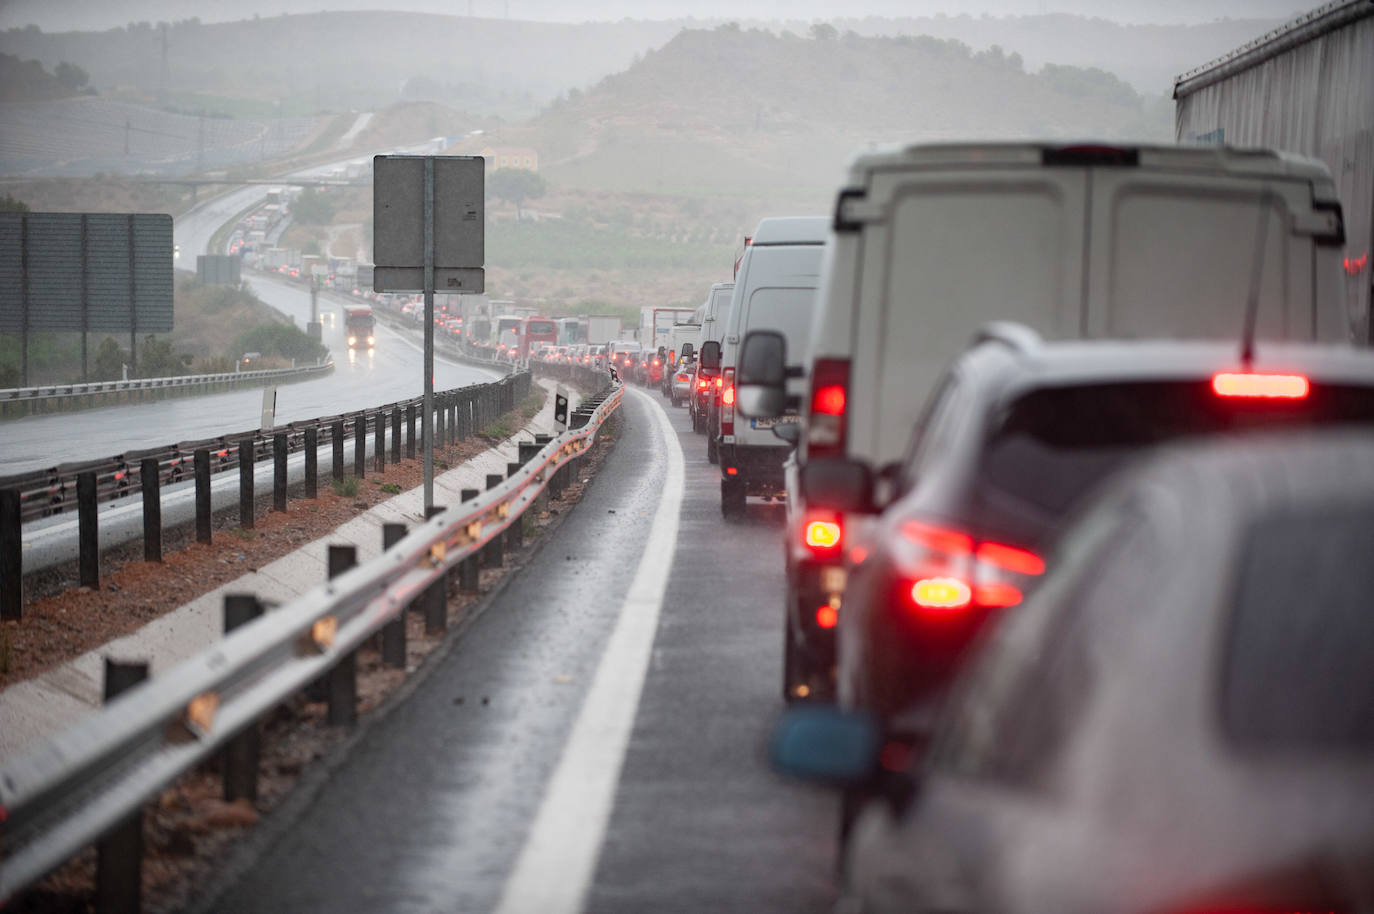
(826, 745)
(761, 382)
(710, 356)
(687, 350)
(842, 485)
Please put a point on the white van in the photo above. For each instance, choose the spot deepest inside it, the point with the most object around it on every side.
(930, 242)
(775, 289)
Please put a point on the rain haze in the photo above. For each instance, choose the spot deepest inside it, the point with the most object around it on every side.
(819, 491)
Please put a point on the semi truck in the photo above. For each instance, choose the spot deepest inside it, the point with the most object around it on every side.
(602, 328)
(1308, 88)
(361, 326)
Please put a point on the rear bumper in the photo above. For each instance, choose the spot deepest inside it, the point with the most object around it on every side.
(759, 467)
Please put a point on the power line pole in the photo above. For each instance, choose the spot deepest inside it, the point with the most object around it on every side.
(162, 88)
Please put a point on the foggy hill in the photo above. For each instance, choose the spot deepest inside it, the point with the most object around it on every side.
(756, 107)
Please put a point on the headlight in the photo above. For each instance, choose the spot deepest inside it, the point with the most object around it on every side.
(371, 341)
(352, 341)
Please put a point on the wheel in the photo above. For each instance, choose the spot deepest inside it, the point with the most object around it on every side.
(675, 401)
(696, 421)
(711, 455)
(732, 499)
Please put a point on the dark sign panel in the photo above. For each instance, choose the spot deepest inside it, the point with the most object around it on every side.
(102, 272)
(457, 194)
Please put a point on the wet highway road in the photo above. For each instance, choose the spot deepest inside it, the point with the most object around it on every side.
(360, 380)
(594, 740)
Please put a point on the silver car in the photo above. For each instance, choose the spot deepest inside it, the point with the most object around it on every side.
(1180, 719)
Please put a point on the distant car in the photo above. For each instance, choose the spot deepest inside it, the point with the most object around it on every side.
(1181, 719)
(681, 381)
(250, 360)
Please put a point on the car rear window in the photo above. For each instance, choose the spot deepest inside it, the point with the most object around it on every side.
(1297, 658)
(1051, 446)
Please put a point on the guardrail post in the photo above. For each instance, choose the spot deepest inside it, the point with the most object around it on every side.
(452, 418)
(343, 678)
(435, 597)
(246, 483)
(410, 431)
(88, 530)
(152, 509)
(379, 443)
(439, 439)
(396, 434)
(493, 556)
(279, 471)
(469, 573)
(515, 533)
(240, 763)
(336, 440)
(394, 632)
(119, 855)
(312, 462)
(360, 446)
(11, 557)
(200, 465)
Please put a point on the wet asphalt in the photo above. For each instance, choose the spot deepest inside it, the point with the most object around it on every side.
(432, 803)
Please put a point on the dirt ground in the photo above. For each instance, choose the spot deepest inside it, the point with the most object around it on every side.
(189, 828)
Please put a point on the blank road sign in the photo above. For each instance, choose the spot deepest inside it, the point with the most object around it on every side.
(104, 272)
(398, 208)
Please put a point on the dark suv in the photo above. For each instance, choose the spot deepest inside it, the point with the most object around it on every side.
(1016, 433)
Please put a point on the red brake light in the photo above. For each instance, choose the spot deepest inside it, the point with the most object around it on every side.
(941, 593)
(701, 384)
(1010, 558)
(728, 398)
(1268, 386)
(828, 400)
(823, 534)
(827, 616)
(719, 381)
(950, 542)
(826, 427)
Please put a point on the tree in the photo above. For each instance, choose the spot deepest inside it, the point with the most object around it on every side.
(110, 361)
(157, 359)
(10, 205)
(71, 76)
(313, 207)
(824, 31)
(516, 185)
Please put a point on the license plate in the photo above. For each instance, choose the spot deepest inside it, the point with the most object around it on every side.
(770, 423)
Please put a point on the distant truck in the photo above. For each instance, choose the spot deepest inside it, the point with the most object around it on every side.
(1265, 94)
(602, 328)
(361, 326)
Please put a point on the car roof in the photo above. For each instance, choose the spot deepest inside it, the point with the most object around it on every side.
(1227, 160)
(790, 230)
(1026, 362)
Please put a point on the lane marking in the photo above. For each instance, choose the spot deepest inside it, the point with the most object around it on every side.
(556, 864)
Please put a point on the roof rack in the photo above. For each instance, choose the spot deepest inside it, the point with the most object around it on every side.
(1014, 336)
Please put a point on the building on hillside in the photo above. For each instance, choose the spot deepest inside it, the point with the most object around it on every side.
(511, 157)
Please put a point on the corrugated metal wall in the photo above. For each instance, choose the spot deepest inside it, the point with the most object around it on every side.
(1316, 99)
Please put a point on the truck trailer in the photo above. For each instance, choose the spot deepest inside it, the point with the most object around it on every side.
(1306, 88)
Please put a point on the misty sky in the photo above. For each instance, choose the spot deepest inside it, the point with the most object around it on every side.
(84, 15)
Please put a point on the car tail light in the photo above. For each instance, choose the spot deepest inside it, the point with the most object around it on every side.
(1261, 386)
(682, 377)
(823, 534)
(827, 616)
(825, 428)
(655, 363)
(727, 403)
(949, 570)
(702, 384)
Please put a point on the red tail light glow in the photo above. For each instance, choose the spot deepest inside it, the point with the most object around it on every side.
(826, 427)
(821, 534)
(941, 593)
(728, 398)
(827, 616)
(702, 385)
(948, 569)
(1266, 386)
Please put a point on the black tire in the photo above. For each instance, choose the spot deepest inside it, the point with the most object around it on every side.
(732, 499)
(711, 454)
(697, 424)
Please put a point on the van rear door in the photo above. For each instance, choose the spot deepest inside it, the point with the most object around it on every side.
(1173, 254)
(1002, 242)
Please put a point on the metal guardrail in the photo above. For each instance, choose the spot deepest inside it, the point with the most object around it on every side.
(85, 782)
(62, 391)
(43, 493)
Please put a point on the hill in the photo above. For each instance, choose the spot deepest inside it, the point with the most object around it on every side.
(743, 111)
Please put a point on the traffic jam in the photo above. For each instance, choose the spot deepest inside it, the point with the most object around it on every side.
(1076, 616)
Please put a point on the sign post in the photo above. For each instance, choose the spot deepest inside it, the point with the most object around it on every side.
(428, 226)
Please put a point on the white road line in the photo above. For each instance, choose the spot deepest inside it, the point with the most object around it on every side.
(556, 865)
